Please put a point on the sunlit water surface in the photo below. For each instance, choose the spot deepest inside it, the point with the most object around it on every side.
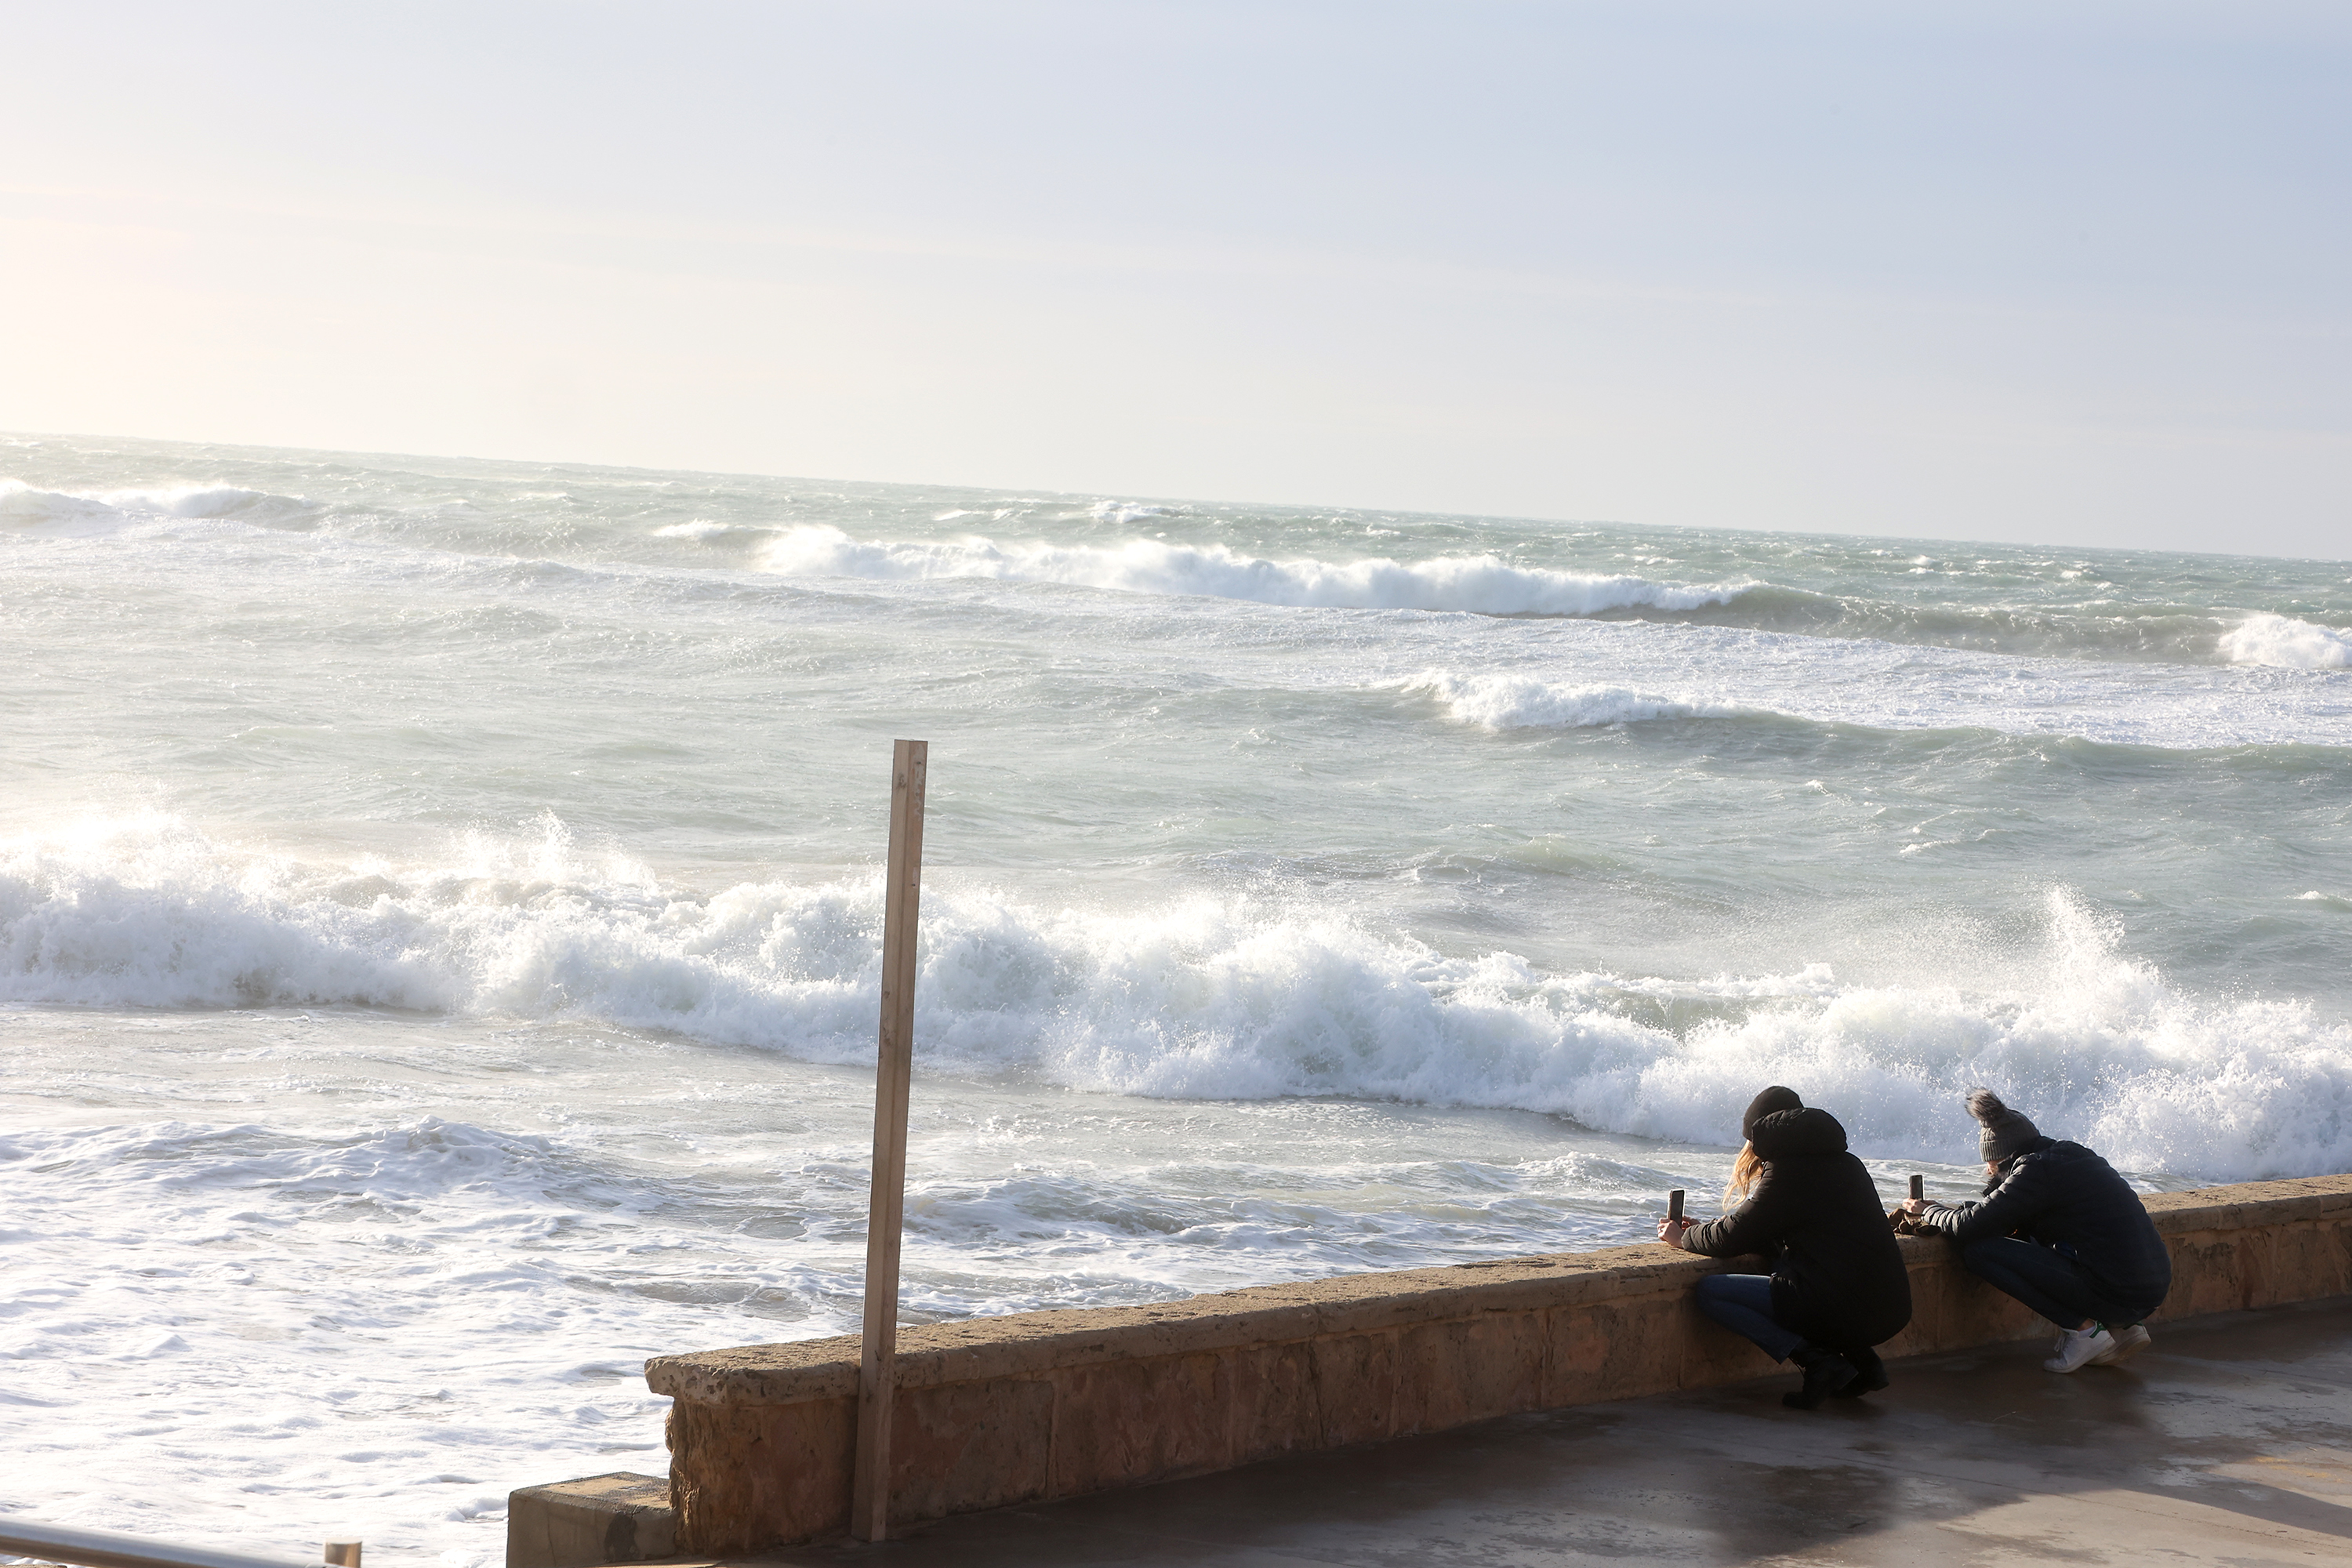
(439, 905)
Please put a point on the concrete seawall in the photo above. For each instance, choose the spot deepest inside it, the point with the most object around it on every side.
(997, 1411)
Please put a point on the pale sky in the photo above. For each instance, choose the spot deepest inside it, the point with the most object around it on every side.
(2053, 272)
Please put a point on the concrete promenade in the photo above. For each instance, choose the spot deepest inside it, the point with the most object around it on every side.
(1038, 1407)
(2229, 1441)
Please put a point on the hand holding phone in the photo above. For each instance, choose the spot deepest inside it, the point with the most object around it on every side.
(1918, 1203)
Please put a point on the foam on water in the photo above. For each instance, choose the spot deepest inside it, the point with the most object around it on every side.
(1242, 997)
(380, 1324)
(1311, 891)
(363, 1329)
(184, 511)
(2287, 643)
(1486, 584)
(1524, 701)
(1127, 511)
(21, 503)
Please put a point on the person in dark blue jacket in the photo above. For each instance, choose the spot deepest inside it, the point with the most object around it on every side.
(2063, 1232)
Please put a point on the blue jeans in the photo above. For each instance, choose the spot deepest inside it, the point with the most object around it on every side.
(1743, 1303)
(2057, 1286)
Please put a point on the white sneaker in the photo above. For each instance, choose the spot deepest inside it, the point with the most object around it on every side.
(2078, 1348)
(2128, 1343)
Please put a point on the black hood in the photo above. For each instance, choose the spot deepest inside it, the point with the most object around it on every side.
(1786, 1134)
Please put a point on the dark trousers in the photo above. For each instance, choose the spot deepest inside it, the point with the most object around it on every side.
(2057, 1286)
(1743, 1303)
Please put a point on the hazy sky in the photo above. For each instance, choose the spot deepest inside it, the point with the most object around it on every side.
(2066, 272)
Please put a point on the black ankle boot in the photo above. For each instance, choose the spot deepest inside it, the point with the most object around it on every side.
(1826, 1371)
(1869, 1372)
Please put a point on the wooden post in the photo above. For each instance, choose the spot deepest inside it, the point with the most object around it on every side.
(869, 1497)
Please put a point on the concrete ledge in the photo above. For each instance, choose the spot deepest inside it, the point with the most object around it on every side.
(615, 1518)
(2232, 1444)
(997, 1411)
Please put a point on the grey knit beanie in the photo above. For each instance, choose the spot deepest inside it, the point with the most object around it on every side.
(2005, 1130)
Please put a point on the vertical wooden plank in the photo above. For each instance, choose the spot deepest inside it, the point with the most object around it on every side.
(869, 1504)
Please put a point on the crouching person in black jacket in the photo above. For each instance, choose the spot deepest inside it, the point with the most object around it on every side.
(2059, 1230)
(1838, 1286)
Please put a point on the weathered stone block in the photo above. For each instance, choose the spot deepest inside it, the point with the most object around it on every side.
(1451, 1374)
(615, 1518)
(1122, 1423)
(1355, 1386)
(970, 1445)
(2311, 1261)
(745, 1477)
(1273, 1401)
(2216, 1271)
(1611, 1350)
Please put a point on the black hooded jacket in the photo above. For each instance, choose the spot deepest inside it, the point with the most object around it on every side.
(1837, 1276)
(2064, 1196)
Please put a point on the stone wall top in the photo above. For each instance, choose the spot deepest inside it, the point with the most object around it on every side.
(2249, 1204)
(1023, 1343)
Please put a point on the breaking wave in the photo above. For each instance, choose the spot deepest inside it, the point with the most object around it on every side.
(1484, 584)
(2287, 644)
(1525, 702)
(1214, 998)
(107, 511)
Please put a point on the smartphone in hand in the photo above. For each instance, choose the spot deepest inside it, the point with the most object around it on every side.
(1674, 1205)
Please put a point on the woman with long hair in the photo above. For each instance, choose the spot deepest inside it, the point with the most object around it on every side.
(1838, 1287)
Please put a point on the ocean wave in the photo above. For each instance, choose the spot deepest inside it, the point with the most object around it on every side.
(104, 510)
(2094, 630)
(1234, 998)
(1525, 702)
(1127, 511)
(1484, 584)
(2286, 643)
(703, 530)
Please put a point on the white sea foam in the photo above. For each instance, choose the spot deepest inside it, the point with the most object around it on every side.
(1203, 998)
(1127, 511)
(97, 511)
(2287, 644)
(1526, 702)
(354, 1190)
(21, 504)
(1482, 583)
(704, 530)
(185, 501)
(298, 1319)
(380, 1324)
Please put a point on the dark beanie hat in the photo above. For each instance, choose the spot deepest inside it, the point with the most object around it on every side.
(1765, 1104)
(2005, 1132)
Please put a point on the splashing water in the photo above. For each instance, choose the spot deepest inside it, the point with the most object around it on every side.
(439, 913)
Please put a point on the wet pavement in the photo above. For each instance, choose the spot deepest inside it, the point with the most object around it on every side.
(2229, 1441)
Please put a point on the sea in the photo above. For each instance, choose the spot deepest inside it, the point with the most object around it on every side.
(440, 903)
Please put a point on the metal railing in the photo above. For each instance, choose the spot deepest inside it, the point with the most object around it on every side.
(112, 1549)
